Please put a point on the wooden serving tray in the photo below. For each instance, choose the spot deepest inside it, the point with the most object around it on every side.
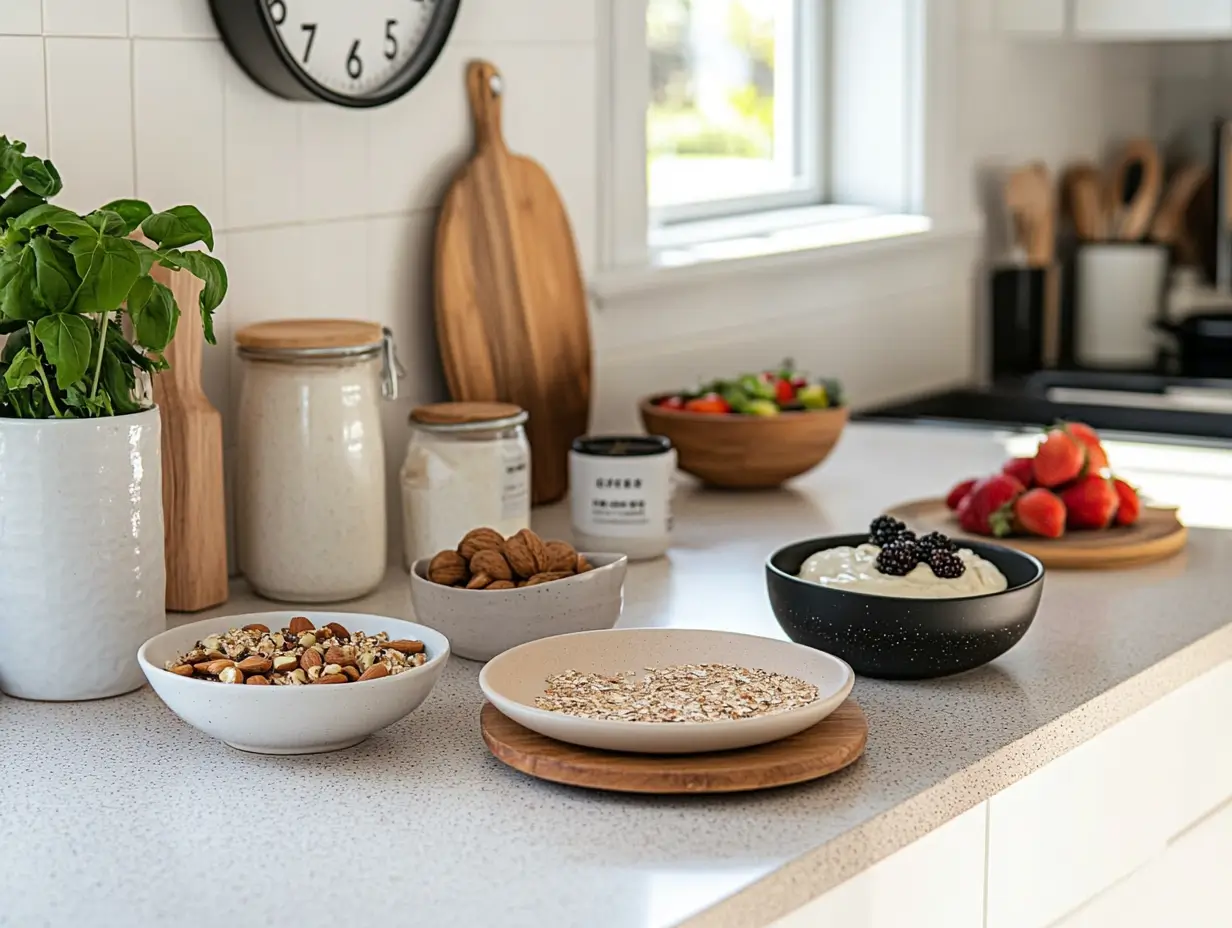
(830, 745)
(1157, 534)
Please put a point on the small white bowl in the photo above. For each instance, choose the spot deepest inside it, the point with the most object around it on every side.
(513, 680)
(482, 623)
(292, 719)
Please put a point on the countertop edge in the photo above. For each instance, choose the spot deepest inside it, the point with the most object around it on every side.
(817, 872)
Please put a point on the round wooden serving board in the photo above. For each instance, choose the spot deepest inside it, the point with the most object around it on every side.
(1158, 534)
(830, 745)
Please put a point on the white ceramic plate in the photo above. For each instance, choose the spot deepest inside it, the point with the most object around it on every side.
(512, 680)
(292, 719)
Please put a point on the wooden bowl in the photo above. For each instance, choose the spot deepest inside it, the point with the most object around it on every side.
(746, 452)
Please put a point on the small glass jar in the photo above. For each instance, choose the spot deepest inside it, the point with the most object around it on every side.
(467, 466)
(620, 494)
(310, 481)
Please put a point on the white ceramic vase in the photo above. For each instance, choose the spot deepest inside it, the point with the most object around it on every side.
(82, 579)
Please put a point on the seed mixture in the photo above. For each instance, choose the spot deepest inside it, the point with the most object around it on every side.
(681, 693)
(297, 655)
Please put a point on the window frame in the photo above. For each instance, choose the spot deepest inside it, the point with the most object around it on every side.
(810, 119)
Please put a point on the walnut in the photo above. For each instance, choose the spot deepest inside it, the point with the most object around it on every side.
(583, 565)
(526, 553)
(478, 582)
(501, 585)
(561, 556)
(448, 568)
(492, 563)
(548, 577)
(481, 539)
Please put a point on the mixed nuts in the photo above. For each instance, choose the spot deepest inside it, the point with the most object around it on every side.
(486, 560)
(297, 655)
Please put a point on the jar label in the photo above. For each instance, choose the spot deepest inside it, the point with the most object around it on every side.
(628, 497)
(515, 488)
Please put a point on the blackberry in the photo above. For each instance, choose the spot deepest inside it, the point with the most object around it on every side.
(898, 559)
(946, 565)
(935, 541)
(885, 530)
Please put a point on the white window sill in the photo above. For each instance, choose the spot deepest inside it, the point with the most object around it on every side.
(768, 242)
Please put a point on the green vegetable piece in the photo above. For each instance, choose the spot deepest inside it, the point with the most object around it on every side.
(761, 408)
(756, 388)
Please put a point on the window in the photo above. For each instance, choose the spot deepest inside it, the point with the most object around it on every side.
(734, 114)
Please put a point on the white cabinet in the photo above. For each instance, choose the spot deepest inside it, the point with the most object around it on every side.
(1031, 17)
(1152, 19)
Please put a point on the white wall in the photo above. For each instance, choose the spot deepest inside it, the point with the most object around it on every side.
(328, 212)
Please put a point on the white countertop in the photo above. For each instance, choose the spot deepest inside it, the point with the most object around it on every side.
(117, 814)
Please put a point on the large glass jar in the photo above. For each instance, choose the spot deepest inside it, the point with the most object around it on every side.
(310, 481)
(467, 466)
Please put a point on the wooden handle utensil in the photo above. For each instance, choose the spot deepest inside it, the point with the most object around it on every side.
(1134, 189)
(1081, 200)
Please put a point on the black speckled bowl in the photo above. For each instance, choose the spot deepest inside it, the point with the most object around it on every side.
(904, 639)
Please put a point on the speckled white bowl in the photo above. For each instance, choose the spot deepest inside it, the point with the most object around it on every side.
(292, 719)
(482, 623)
(514, 679)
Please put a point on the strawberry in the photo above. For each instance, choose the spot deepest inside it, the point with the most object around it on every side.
(1097, 457)
(1090, 502)
(959, 493)
(1059, 459)
(1022, 470)
(1036, 512)
(1129, 504)
(985, 498)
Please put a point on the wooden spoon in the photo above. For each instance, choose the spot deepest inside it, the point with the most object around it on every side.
(1080, 197)
(1028, 196)
(1133, 190)
(1169, 223)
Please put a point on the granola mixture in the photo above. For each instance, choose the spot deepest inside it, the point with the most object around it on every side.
(297, 655)
(682, 693)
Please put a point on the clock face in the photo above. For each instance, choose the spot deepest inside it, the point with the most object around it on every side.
(350, 52)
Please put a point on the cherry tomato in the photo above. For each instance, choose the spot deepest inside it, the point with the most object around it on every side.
(672, 402)
(710, 403)
(784, 392)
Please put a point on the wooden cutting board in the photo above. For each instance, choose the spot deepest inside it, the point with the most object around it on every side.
(830, 745)
(511, 316)
(1157, 534)
(194, 508)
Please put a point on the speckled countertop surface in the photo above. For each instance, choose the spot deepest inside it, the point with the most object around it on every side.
(117, 814)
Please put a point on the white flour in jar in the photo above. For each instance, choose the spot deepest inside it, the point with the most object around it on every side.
(452, 483)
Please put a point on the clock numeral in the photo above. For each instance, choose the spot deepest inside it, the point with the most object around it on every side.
(354, 66)
(311, 29)
(277, 11)
(391, 40)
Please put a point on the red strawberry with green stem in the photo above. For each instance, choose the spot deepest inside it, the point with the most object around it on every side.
(986, 497)
(1129, 505)
(1021, 469)
(959, 493)
(1036, 512)
(1097, 458)
(1091, 502)
(1059, 459)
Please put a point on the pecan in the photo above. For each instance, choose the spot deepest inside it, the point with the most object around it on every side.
(481, 539)
(448, 568)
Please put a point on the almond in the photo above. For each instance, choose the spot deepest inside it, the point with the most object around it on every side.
(213, 654)
(375, 672)
(323, 632)
(216, 667)
(526, 554)
(501, 585)
(310, 659)
(299, 625)
(481, 539)
(203, 669)
(478, 582)
(336, 655)
(448, 568)
(285, 662)
(231, 674)
(561, 556)
(338, 630)
(493, 564)
(255, 664)
(351, 673)
(406, 646)
(257, 680)
(257, 627)
(184, 670)
(331, 678)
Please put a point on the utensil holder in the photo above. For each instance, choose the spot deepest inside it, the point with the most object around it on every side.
(1119, 293)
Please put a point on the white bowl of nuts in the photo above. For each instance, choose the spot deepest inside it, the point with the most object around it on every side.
(493, 593)
(285, 663)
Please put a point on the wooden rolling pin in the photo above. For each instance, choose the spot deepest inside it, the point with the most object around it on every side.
(194, 507)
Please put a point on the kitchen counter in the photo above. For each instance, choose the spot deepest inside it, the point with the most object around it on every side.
(117, 814)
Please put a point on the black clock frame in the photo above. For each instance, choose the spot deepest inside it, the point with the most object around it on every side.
(251, 36)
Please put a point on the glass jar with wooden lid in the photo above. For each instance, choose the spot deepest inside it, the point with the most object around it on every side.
(467, 466)
(310, 480)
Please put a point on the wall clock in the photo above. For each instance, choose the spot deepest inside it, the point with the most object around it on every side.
(348, 52)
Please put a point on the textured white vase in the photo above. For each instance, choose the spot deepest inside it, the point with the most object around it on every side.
(82, 579)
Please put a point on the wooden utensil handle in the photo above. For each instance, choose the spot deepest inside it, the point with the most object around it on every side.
(484, 86)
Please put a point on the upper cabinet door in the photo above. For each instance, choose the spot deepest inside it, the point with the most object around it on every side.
(1032, 17)
(1152, 19)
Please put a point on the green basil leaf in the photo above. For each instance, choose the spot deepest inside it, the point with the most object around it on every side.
(132, 212)
(155, 320)
(22, 370)
(211, 272)
(113, 269)
(139, 295)
(124, 350)
(106, 222)
(179, 226)
(90, 406)
(55, 275)
(118, 382)
(18, 202)
(17, 286)
(66, 341)
(33, 173)
(62, 220)
(146, 255)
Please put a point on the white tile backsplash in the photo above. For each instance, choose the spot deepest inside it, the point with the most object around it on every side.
(333, 162)
(24, 116)
(542, 21)
(21, 17)
(90, 119)
(261, 152)
(170, 19)
(85, 17)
